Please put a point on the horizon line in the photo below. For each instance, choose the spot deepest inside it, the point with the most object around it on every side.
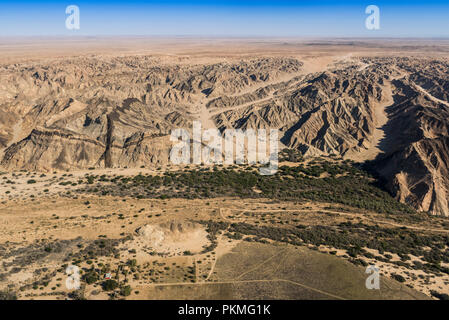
(228, 37)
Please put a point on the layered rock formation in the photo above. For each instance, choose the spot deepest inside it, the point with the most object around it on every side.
(114, 112)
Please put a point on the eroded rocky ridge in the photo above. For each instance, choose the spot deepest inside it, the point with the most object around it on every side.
(114, 112)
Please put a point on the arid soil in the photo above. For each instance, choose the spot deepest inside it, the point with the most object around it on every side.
(85, 176)
(86, 219)
(104, 235)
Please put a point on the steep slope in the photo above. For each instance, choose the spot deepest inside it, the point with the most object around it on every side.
(111, 112)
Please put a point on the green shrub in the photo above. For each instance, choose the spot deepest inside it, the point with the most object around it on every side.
(441, 296)
(91, 277)
(398, 277)
(110, 285)
(125, 291)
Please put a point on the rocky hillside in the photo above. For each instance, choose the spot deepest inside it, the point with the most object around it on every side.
(76, 113)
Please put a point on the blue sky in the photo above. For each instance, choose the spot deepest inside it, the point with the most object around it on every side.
(270, 18)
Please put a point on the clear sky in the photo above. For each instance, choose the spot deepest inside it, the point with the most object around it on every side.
(270, 18)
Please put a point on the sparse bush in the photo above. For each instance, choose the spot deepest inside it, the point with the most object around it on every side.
(91, 277)
(110, 285)
(125, 291)
(398, 277)
(438, 295)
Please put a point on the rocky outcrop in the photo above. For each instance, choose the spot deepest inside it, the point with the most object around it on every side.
(46, 149)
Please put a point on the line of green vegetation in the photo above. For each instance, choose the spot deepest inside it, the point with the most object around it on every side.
(322, 181)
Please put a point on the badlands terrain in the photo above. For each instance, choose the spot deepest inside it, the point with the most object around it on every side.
(85, 176)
